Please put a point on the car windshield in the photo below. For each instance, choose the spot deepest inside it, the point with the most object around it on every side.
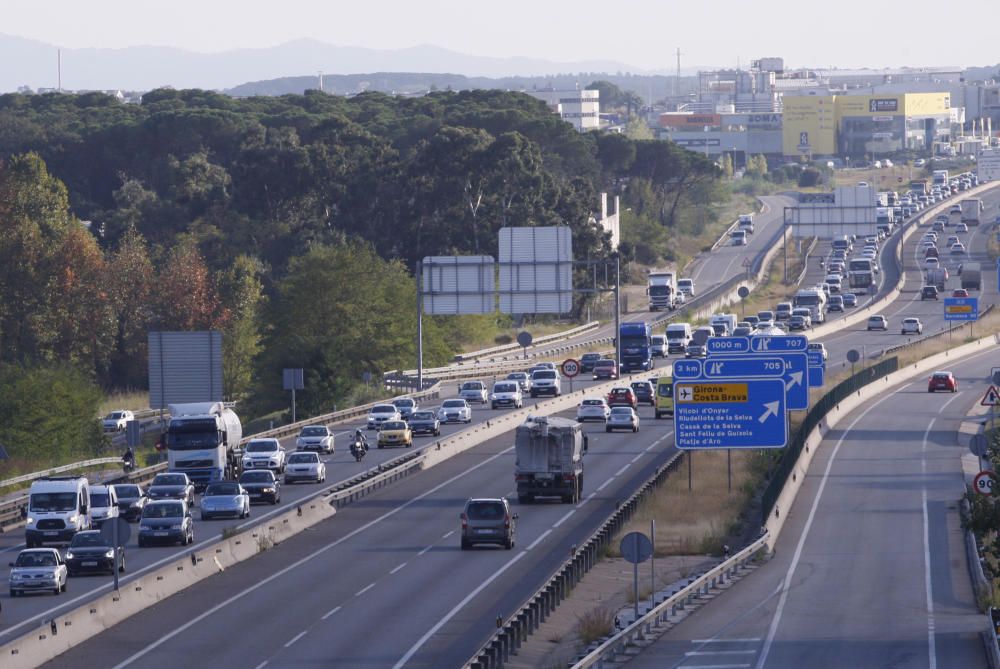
(257, 477)
(169, 479)
(595, 403)
(941, 376)
(516, 376)
(472, 385)
(486, 511)
(46, 559)
(52, 501)
(453, 404)
(422, 415)
(100, 499)
(222, 488)
(544, 374)
(127, 491)
(314, 431)
(384, 408)
(622, 411)
(604, 363)
(394, 425)
(87, 539)
(404, 403)
(114, 415)
(302, 458)
(505, 388)
(163, 511)
(261, 447)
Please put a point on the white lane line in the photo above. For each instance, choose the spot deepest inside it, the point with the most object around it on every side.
(539, 539)
(330, 613)
(447, 534)
(458, 607)
(751, 640)
(931, 641)
(712, 666)
(296, 638)
(622, 470)
(605, 484)
(298, 563)
(564, 518)
(426, 549)
(364, 590)
(636, 458)
(787, 584)
(397, 568)
(701, 653)
(651, 446)
(587, 499)
(261, 665)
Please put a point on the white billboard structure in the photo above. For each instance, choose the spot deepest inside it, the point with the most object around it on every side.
(452, 285)
(184, 367)
(988, 165)
(848, 210)
(536, 270)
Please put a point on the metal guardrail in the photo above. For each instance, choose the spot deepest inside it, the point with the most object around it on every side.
(59, 470)
(545, 339)
(662, 612)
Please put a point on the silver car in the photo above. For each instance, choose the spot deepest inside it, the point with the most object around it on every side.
(315, 438)
(224, 499)
(592, 409)
(305, 466)
(622, 418)
(455, 411)
(38, 570)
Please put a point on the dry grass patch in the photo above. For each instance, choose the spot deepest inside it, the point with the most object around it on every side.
(134, 400)
(595, 624)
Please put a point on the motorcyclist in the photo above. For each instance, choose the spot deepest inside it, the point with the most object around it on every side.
(128, 459)
(359, 438)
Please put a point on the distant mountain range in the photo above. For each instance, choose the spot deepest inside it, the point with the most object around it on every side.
(35, 64)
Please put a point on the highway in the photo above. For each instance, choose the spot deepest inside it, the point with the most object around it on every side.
(870, 569)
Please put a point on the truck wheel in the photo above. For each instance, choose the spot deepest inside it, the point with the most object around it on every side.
(509, 543)
(465, 545)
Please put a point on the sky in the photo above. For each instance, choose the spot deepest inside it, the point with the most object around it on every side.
(641, 33)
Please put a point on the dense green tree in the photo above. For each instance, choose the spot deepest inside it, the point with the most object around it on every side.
(241, 290)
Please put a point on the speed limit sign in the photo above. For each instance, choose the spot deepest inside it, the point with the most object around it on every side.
(570, 368)
(984, 483)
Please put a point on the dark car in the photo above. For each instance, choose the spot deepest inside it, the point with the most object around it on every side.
(488, 521)
(171, 485)
(89, 551)
(425, 422)
(131, 501)
(262, 486)
(587, 361)
(166, 521)
(928, 293)
(752, 320)
(644, 392)
(604, 369)
(850, 299)
(836, 303)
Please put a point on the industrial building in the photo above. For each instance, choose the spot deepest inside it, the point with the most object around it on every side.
(582, 108)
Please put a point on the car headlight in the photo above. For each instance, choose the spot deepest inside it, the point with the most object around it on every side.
(145, 528)
(268, 490)
(69, 555)
(109, 554)
(31, 521)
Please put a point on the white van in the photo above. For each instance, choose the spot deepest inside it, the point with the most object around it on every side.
(738, 237)
(103, 503)
(658, 346)
(678, 337)
(58, 508)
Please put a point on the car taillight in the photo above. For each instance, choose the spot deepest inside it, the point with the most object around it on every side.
(569, 477)
(465, 521)
(506, 522)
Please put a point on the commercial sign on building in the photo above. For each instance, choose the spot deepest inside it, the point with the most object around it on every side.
(682, 120)
(876, 105)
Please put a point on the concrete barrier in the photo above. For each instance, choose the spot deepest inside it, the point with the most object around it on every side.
(786, 498)
(62, 633)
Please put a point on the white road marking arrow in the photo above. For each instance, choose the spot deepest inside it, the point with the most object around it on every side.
(772, 410)
(796, 379)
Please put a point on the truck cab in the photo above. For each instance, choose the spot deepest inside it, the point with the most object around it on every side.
(203, 442)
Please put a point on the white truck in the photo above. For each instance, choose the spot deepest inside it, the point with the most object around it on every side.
(720, 322)
(678, 337)
(685, 287)
(972, 209)
(745, 223)
(203, 441)
(549, 459)
(58, 508)
(813, 299)
(661, 286)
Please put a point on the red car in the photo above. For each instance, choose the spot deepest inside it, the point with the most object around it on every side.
(605, 369)
(942, 381)
(960, 292)
(622, 397)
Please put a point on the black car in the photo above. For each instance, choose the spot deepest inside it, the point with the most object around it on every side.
(644, 393)
(166, 521)
(425, 422)
(89, 551)
(171, 485)
(928, 293)
(262, 486)
(587, 361)
(131, 501)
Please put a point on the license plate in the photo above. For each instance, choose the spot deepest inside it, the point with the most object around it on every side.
(544, 476)
(484, 531)
(89, 563)
(159, 534)
(51, 534)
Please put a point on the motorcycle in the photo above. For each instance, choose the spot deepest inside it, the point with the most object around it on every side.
(128, 464)
(358, 450)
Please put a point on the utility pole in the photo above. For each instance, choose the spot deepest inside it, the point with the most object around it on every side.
(420, 326)
(618, 314)
(677, 79)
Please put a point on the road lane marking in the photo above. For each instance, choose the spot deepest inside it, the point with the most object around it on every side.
(296, 638)
(426, 549)
(605, 484)
(564, 518)
(447, 534)
(397, 568)
(538, 540)
(330, 613)
(751, 640)
(364, 590)
(636, 458)
(587, 499)
(700, 653)
(787, 584)
(295, 565)
(622, 470)
(458, 607)
(261, 665)
(931, 642)
(713, 666)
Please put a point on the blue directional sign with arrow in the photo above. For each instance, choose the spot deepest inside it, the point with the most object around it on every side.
(720, 414)
(743, 367)
(961, 308)
(791, 349)
(817, 368)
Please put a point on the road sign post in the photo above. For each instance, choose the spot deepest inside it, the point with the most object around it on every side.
(984, 483)
(714, 414)
(570, 368)
(635, 548)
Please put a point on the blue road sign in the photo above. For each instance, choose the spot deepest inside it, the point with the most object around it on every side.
(717, 414)
(817, 376)
(790, 348)
(778, 344)
(687, 369)
(961, 308)
(743, 367)
(727, 345)
(815, 358)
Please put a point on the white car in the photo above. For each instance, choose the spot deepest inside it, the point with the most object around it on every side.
(878, 322)
(931, 263)
(622, 418)
(103, 504)
(506, 394)
(38, 570)
(818, 346)
(473, 391)
(305, 466)
(455, 411)
(116, 421)
(406, 406)
(264, 454)
(380, 413)
(315, 438)
(912, 326)
(523, 379)
(592, 409)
